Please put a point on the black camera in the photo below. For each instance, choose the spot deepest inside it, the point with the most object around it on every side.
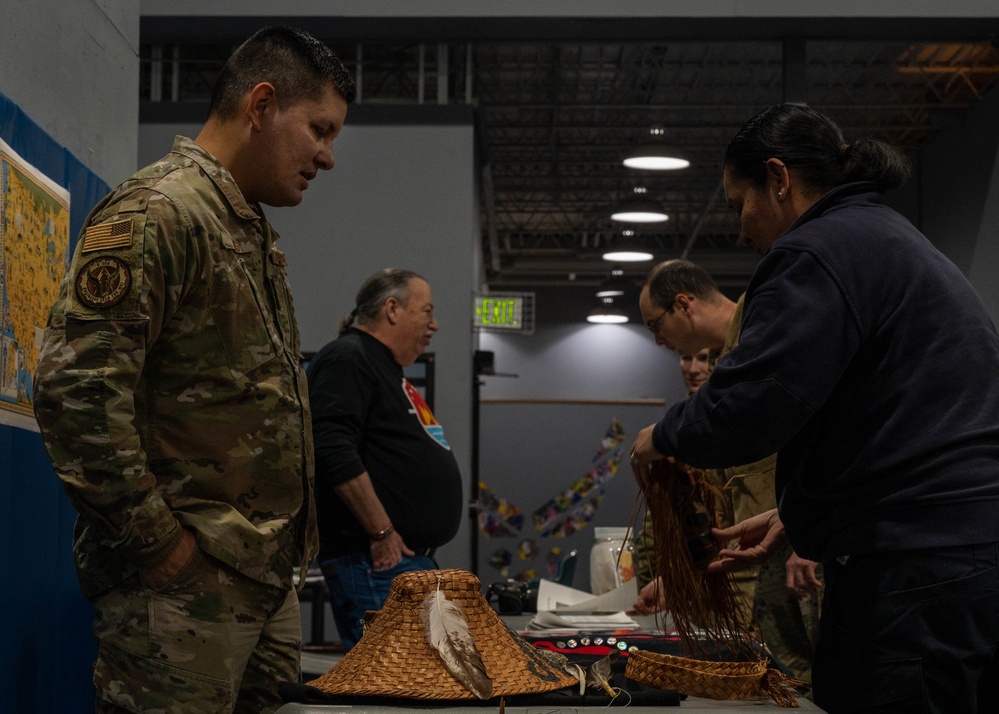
(512, 597)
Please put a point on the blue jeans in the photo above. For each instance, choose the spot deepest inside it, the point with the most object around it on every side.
(356, 587)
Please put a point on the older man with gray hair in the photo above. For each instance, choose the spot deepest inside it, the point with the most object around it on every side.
(388, 488)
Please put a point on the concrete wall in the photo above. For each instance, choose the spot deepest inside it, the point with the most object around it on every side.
(73, 67)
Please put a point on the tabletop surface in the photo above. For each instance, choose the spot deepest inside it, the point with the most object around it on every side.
(688, 704)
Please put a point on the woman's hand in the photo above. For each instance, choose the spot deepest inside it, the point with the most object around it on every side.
(801, 576)
(758, 539)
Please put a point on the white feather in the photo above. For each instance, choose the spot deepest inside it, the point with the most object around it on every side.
(600, 672)
(447, 632)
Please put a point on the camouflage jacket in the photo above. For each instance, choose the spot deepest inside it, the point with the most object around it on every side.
(169, 390)
(751, 486)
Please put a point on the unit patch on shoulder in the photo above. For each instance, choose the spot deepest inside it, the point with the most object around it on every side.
(108, 235)
(103, 282)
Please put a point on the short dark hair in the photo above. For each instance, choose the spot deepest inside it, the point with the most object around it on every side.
(671, 277)
(812, 143)
(296, 63)
(385, 284)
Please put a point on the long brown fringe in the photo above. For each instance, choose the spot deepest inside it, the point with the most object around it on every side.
(705, 607)
(781, 688)
(684, 504)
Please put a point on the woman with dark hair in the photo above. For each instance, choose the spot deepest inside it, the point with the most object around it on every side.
(868, 363)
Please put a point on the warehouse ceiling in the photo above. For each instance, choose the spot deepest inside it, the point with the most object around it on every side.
(557, 110)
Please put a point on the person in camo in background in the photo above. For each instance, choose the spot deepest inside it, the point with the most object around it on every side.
(682, 306)
(173, 405)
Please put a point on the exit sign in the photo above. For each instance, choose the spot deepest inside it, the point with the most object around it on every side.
(504, 312)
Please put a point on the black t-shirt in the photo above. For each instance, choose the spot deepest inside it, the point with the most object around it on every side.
(367, 417)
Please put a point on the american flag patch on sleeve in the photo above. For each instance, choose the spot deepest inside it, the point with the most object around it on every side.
(108, 235)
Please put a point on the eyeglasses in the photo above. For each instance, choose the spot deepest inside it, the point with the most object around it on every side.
(654, 325)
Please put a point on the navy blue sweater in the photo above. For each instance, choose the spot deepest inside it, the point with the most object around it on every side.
(869, 364)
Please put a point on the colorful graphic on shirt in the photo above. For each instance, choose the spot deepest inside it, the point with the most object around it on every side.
(426, 417)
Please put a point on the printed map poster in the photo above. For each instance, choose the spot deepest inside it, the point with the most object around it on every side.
(34, 254)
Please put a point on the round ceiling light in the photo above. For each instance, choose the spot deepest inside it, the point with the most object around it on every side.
(639, 208)
(654, 157)
(655, 154)
(607, 314)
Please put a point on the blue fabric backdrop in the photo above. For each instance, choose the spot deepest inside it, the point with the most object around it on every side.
(48, 650)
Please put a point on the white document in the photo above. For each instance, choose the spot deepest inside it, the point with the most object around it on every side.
(565, 608)
(548, 620)
(561, 598)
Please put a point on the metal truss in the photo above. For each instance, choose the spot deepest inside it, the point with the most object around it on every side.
(555, 119)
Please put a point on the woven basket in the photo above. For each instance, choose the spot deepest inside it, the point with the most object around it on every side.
(393, 657)
(712, 680)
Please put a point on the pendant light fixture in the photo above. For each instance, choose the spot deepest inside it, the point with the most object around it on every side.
(607, 313)
(639, 208)
(616, 285)
(627, 249)
(655, 154)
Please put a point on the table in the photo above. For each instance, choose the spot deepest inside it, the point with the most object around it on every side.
(689, 704)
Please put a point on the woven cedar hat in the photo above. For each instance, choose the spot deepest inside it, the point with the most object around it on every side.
(394, 658)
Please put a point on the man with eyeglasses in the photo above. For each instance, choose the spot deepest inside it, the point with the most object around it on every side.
(685, 311)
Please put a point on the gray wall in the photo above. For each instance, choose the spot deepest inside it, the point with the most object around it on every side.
(73, 67)
(399, 196)
(580, 377)
(583, 361)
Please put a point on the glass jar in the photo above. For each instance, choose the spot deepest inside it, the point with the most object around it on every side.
(611, 563)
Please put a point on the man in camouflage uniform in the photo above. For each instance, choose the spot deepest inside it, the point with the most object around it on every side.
(173, 405)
